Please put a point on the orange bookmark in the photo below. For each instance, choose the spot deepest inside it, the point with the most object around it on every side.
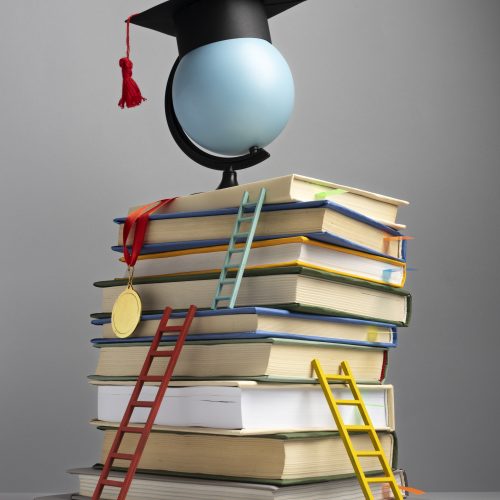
(398, 238)
(386, 491)
(412, 490)
(388, 239)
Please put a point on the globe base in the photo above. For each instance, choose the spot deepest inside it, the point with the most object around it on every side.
(229, 178)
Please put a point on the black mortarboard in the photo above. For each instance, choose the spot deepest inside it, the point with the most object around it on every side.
(199, 22)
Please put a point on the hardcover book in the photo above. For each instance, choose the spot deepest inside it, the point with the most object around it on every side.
(293, 288)
(320, 220)
(281, 459)
(281, 252)
(161, 487)
(248, 407)
(293, 188)
(258, 359)
(262, 322)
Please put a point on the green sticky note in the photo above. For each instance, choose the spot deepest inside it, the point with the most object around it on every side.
(331, 192)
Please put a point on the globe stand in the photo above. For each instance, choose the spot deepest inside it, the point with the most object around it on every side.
(228, 165)
(229, 179)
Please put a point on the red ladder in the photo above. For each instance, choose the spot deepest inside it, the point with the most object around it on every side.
(134, 402)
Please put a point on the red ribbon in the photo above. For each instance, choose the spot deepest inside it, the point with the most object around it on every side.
(140, 219)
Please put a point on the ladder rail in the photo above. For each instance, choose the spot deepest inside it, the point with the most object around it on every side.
(367, 419)
(159, 397)
(236, 228)
(347, 377)
(246, 253)
(323, 380)
(154, 406)
(247, 236)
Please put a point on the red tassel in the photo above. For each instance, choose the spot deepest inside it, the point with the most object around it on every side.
(131, 94)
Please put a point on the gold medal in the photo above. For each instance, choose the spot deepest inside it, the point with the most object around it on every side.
(126, 312)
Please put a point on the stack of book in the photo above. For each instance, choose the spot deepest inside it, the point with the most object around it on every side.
(243, 417)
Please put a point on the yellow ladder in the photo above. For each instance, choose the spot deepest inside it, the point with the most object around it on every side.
(347, 378)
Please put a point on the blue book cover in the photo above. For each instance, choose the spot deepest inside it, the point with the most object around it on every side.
(320, 235)
(263, 311)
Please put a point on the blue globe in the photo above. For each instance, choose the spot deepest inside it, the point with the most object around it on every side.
(232, 95)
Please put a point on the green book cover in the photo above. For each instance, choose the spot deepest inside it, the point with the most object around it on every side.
(313, 273)
(276, 482)
(123, 344)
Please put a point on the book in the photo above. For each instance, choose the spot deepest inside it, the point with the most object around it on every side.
(318, 220)
(293, 188)
(294, 251)
(294, 288)
(161, 487)
(257, 359)
(281, 459)
(248, 407)
(262, 322)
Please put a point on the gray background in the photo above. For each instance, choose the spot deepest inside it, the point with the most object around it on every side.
(396, 96)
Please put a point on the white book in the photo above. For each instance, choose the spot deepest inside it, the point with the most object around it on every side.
(249, 407)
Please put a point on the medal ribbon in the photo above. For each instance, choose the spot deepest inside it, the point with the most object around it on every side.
(140, 219)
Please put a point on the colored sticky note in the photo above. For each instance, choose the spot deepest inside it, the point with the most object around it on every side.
(372, 334)
(386, 274)
(331, 192)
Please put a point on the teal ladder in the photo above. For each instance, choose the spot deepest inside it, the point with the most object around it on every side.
(242, 217)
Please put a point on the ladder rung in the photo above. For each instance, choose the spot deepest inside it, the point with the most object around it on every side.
(132, 430)
(142, 404)
(162, 354)
(369, 453)
(230, 266)
(248, 205)
(355, 402)
(110, 482)
(152, 378)
(122, 456)
(354, 428)
(338, 377)
(229, 281)
(224, 297)
(236, 250)
(172, 329)
(241, 235)
(246, 218)
(379, 480)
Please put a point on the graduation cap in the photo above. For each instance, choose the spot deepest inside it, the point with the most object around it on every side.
(199, 22)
